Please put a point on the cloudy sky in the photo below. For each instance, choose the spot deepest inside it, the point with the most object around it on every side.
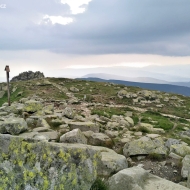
(49, 35)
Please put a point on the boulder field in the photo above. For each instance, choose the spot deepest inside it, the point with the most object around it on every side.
(71, 144)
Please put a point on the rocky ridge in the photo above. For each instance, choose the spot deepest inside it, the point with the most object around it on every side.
(28, 76)
(59, 134)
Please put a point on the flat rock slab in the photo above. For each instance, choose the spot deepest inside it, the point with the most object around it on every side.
(145, 146)
(152, 136)
(41, 129)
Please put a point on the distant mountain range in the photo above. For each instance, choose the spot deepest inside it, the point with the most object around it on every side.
(154, 74)
(183, 90)
(117, 77)
(136, 79)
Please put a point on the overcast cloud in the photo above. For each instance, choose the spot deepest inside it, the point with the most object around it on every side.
(106, 27)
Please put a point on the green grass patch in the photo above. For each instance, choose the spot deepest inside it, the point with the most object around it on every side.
(162, 122)
(109, 111)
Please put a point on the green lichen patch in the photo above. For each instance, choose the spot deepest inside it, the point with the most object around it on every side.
(45, 166)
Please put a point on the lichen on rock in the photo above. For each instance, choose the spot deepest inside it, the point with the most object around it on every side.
(48, 166)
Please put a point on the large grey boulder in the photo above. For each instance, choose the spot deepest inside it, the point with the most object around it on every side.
(100, 139)
(13, 126)
(29, 164)
(144, 146)
(136, 178)
(74, 136)
(84, 126)
(185, 166)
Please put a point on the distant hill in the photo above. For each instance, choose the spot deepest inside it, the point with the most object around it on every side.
(151, 86)
(118, 77)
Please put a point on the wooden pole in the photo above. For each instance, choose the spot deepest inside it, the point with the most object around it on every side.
(8, 89)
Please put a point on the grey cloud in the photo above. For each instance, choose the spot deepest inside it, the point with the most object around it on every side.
(114, 26)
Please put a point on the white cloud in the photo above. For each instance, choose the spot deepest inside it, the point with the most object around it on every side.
(75, 5)
(56, 20)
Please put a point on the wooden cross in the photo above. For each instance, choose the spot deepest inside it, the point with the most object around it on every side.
(7, 69)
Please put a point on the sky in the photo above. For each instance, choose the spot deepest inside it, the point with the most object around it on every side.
(50, 35)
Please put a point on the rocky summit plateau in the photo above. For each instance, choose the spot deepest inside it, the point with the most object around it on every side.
(69, 134)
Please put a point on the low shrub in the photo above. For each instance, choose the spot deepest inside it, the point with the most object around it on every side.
(99, 184)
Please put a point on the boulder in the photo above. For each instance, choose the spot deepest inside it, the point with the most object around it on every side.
(145, 146)
(112, 125)
(100, 139)
(112, 134)
(130, 179)
(185, 166)
(27, 164)
(180, 149)
(74, 136)
(74, 89)
(122, 93)
(32, 106)
(68, 112)
(42, 123)
(84, 126)
(48, 109)
(41, 137)
(170, 142)
(111, 162)
(13, 126)
(136, 178)
(130, 121)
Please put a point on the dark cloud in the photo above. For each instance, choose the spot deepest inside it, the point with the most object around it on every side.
(114, 26)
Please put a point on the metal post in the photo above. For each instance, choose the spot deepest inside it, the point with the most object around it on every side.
(8, 90)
